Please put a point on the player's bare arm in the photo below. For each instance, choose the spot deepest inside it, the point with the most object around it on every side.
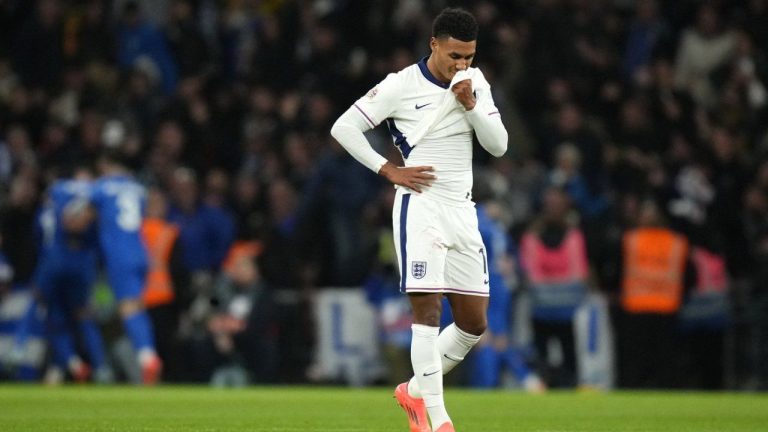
(411, 177)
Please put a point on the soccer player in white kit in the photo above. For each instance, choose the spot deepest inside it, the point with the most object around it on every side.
(432, 109)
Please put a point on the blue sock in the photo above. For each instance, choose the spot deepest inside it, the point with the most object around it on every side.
(93, 343)
(514, 360)
(63, 349)
(485, 367)
(62, 343)
(139, 330)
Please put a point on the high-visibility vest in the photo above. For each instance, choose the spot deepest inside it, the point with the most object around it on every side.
(654, 270)
(557, 276)
(159, 237)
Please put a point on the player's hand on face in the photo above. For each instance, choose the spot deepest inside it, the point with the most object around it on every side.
(415, 178)
(463, 92)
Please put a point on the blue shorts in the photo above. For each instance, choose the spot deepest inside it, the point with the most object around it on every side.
(127, 280)
(66, 279)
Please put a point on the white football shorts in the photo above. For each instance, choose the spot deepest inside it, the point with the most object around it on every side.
(439, 248)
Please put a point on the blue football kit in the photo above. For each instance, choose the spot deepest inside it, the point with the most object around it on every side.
(119, 202)
(487, 361)
(67, 261)
(65, 275)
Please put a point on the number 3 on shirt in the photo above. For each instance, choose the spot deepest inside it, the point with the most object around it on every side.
(129, 207)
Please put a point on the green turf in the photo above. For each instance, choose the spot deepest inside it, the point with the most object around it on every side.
(125, 409)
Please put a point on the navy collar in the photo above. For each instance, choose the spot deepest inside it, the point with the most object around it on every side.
(428, 75)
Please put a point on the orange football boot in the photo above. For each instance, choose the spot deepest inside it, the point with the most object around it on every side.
(151, 370)
(414, 408)
(81, 372)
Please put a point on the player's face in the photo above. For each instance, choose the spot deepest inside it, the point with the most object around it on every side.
(451, 55)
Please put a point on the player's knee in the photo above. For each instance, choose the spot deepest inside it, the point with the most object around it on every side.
(430, 318)
(474, 327)
(427, 309)
(130, 307)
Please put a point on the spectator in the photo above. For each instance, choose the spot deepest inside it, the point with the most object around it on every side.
(239, 344)
(38, 47)
(205, 232)
(647, 34)
(337, 192)
(18, 227)
(554, 257)
(566, 175)
(142, 46)
(570, 127)
(89, 38)
(672, 109)
(704, 318)
(748, 80)
(729, 177)
(165, 290)
(186, 42)
(16, 152)
(249, 207)
(703, 48)
(653, 279)
(288, 287)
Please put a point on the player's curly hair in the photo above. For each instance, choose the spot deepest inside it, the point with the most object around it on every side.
(456, 23)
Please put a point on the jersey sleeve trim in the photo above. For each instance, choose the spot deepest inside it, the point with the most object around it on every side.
(365, 115)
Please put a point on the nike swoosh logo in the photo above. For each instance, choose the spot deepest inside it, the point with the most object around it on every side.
(422, 106)
(451, 358)
(485, 282)
(431, 373)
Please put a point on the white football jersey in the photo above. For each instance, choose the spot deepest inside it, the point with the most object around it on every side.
(403, 99)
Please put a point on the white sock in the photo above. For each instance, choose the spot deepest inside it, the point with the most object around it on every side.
(428, 371)
(145, 355)
(74, 363)
(453, 344)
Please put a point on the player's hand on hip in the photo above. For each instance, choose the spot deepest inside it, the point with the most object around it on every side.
(415, 178)
(464, 94)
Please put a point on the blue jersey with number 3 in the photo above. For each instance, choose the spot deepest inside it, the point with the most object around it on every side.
(119, 201)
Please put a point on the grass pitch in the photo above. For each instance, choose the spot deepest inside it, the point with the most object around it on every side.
(125, 409)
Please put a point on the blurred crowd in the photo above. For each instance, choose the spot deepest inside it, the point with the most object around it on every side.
(621, 114)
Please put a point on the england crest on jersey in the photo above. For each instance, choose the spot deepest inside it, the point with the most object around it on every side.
(418, 269)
